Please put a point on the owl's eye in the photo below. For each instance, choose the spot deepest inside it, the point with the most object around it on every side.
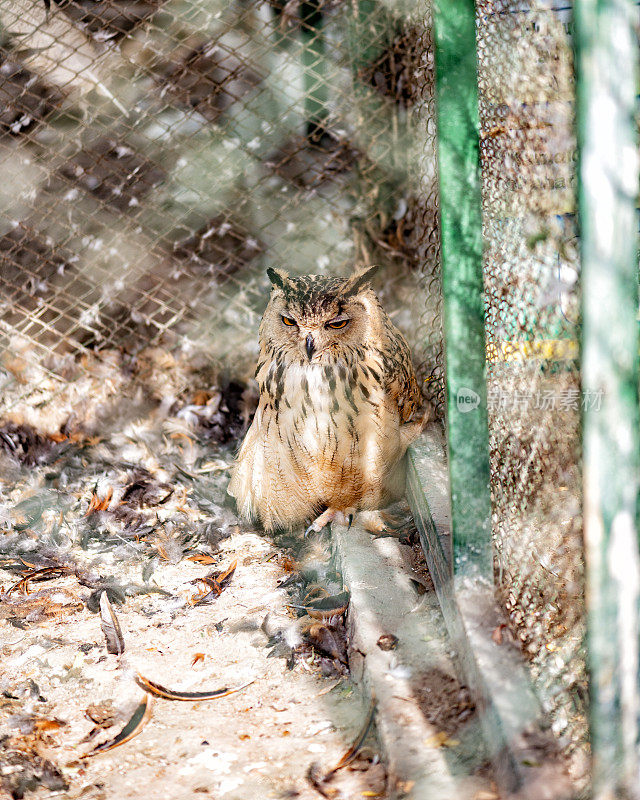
(338, 323)
(288, 321)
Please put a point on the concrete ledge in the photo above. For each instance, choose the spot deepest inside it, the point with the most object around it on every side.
(511, 717)
(383, 601)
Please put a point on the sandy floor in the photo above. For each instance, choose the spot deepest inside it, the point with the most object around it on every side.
(258, 742)
(124, 497)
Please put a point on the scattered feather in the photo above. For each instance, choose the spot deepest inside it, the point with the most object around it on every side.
(320, 779)
(326, 608)
(110, 626)
(22, 769)
(174, 694)
(327, 641)
(134, 726)
(353, 751)
(98, 503)
(216, 582)
(46, 573)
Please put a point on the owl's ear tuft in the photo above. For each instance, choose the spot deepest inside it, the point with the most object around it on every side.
(277, 277)
(358, 281)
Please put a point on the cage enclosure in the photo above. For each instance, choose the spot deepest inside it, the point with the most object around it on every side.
(158, 156)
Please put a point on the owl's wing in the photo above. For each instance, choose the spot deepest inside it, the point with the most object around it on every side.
(400, 379)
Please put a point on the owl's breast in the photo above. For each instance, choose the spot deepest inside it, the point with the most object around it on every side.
(339, 428)
(319, 398)
(323, 436)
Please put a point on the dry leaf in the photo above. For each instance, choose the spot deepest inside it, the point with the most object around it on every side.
(201, 397)
(41, 725)
(101, 714)
(202, 558)
(497, 634)
(440, 739)
(99, 504)
(387, 641)
(287, 564)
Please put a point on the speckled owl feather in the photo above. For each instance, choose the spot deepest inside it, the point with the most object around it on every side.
(338, 405)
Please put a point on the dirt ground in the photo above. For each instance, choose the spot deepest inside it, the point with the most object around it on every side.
(259, 742)
(119, 485)
(116, 487)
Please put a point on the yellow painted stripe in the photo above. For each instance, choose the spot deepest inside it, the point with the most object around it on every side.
(551, 349)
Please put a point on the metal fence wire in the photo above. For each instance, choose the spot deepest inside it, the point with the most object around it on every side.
(532, 308)
(158, 155)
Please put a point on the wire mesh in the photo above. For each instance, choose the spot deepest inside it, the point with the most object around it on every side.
(534, 395)
(157, 156)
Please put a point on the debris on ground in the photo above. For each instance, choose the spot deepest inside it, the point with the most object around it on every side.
(112, 513)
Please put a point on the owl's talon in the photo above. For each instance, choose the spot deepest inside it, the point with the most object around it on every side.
(327, 517)
(350, 522)
(375, 522)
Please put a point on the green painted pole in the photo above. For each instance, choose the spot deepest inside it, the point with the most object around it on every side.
(367, 27)
(607, 75)
(462, 285)
(314, 65)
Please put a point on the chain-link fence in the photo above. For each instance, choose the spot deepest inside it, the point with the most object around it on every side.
(534, 397)
(158, 156)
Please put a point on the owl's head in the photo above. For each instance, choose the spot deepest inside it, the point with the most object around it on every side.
(313, 318)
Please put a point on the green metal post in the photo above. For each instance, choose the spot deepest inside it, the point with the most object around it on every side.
(607, 75)
(314, 68)
(365, 33)
(462, 286)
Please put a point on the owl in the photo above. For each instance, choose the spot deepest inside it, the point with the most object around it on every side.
(338, 406)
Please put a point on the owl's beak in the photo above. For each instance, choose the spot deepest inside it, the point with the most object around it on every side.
(310, 346)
